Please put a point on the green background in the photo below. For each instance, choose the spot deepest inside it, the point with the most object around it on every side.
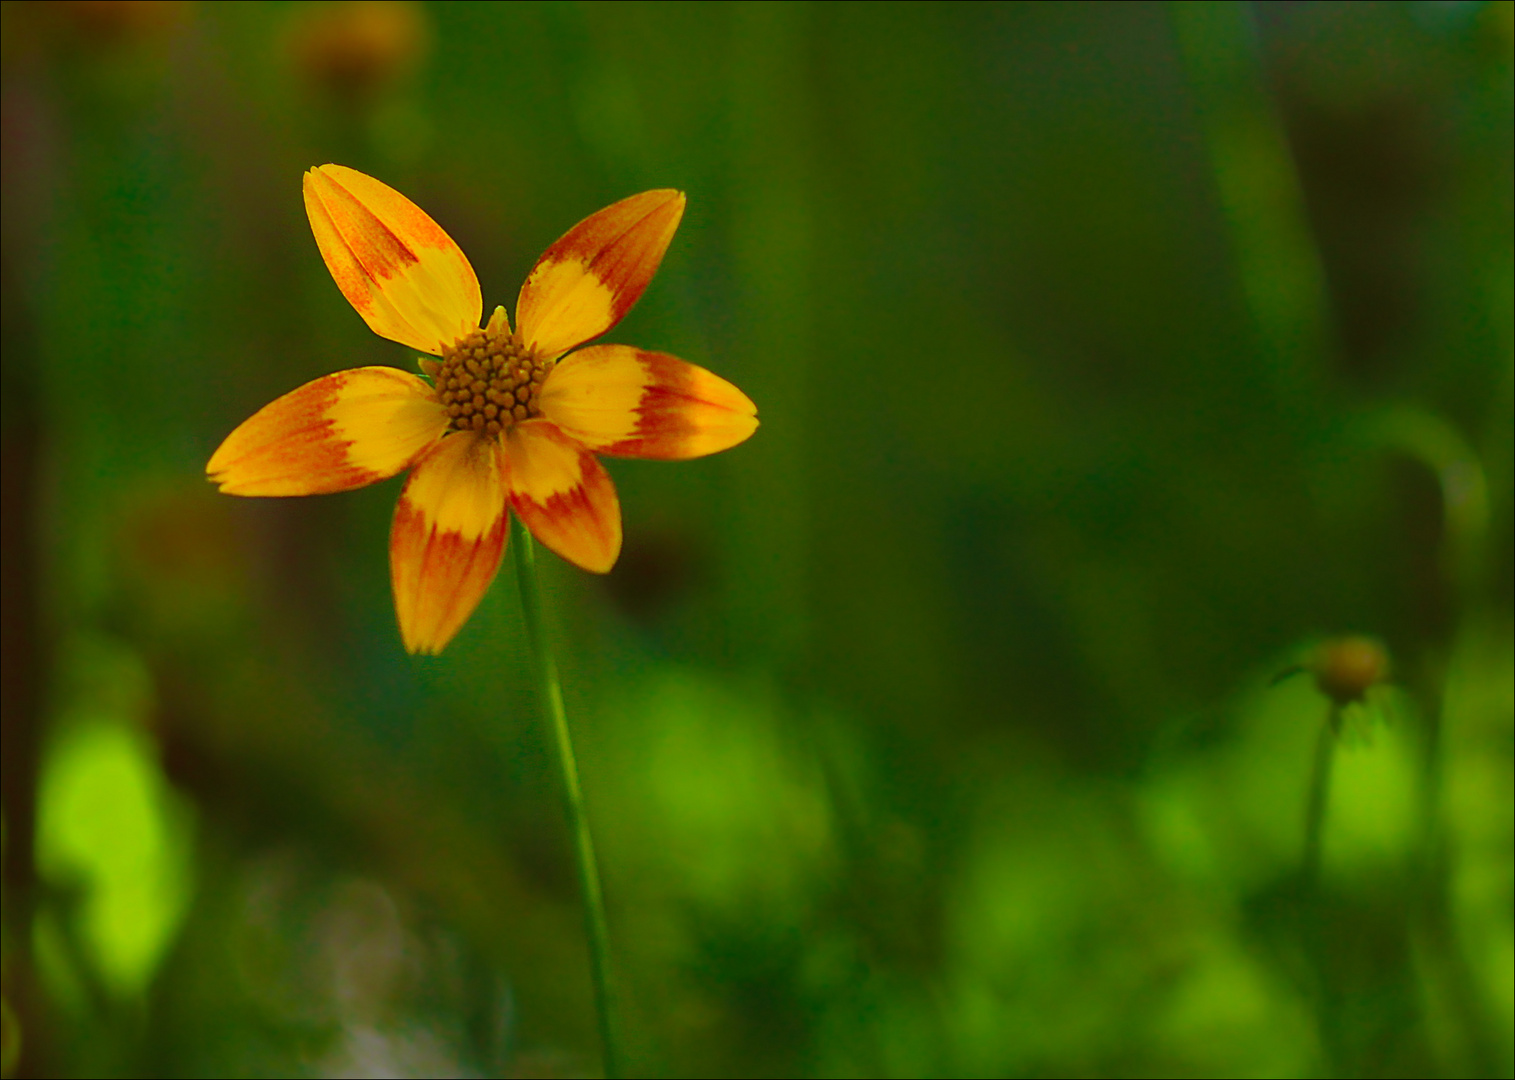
(1109, 358)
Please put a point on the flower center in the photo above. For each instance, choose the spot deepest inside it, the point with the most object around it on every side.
(488, 381)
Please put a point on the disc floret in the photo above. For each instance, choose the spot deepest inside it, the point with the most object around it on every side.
(488, 380)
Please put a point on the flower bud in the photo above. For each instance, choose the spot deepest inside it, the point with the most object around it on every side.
(355, 50)
(1346, 668)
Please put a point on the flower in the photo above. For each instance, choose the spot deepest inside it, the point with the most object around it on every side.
(506, 419)
(1346, 668)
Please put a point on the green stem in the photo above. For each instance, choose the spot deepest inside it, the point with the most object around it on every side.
(573, 798)
(1317, 798)
(1312, 912)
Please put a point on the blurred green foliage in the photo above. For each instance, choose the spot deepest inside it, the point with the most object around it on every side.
(103, 829)
(1109, 358)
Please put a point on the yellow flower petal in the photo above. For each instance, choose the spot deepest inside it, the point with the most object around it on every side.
(447, 539)
(394, 264)
(337, 433)
(588, 280)
(563, 495)
(632, 403)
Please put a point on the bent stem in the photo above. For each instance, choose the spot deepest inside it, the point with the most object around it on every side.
(573, 798)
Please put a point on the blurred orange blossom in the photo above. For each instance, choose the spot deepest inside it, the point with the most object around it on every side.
(505, 419)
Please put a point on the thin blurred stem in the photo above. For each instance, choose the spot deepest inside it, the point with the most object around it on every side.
(1317, 798)
(1312, 910)
(573, 797)
(1277, 265)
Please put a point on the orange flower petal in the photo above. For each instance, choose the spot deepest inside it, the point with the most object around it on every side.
(632, 403)
(588, 280)
(563, 495)
(394, 264)
(447, 539)
(337, 433)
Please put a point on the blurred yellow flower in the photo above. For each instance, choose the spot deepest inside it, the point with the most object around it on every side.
(508, 418)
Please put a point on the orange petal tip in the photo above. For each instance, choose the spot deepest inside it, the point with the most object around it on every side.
(630, 402)
(586, 282)
(397, 267)
(336, 433)
(447, 539)
(564, 495)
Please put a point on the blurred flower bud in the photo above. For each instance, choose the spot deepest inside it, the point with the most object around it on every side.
(118, 20)
(1346, 668)
(353, 51)
(94, 25)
